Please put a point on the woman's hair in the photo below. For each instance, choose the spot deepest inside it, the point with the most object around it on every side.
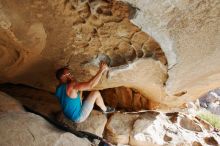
(60, 72)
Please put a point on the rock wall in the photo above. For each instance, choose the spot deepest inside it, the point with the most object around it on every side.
(38, 37)
(8, 104)
(41, 101)
(126, 99)
(188, 33)
(47, 35)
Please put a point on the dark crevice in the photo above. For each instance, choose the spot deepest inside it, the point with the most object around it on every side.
(132, 11)
(31, 134)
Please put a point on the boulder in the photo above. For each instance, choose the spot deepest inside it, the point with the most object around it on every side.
(9, 104)
(29, 129)
(171, 128)
(211, 101)
(95, 123)
(118, 128)
(158, 128)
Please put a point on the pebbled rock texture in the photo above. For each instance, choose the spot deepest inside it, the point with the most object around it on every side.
(157, 128)
(41, 36)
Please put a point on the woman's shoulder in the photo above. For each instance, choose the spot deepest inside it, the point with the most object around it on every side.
(60, 86)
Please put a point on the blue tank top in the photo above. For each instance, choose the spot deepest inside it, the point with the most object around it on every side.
(71, 106)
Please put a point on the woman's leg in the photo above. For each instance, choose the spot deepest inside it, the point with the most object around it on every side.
(99, 101)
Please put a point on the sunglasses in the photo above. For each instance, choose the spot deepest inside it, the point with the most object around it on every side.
(67, 74)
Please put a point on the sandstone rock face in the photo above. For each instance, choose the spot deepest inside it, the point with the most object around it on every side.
(39, 37)
(9, 104)
(95, 123)
(156, 128)
(37, 100)
(29, 129)
(144, 75)
(124, 98)
(188, 33)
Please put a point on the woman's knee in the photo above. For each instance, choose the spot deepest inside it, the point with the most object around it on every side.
(93, 96)
(80, 120)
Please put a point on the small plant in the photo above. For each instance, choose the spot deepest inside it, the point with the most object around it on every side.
(213, 119)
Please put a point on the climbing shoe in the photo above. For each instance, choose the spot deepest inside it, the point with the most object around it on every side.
(109, 110)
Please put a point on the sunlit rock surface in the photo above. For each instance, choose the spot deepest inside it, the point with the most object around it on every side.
(145, 75)
(29, 129)
(156, 128)
(188, 33)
